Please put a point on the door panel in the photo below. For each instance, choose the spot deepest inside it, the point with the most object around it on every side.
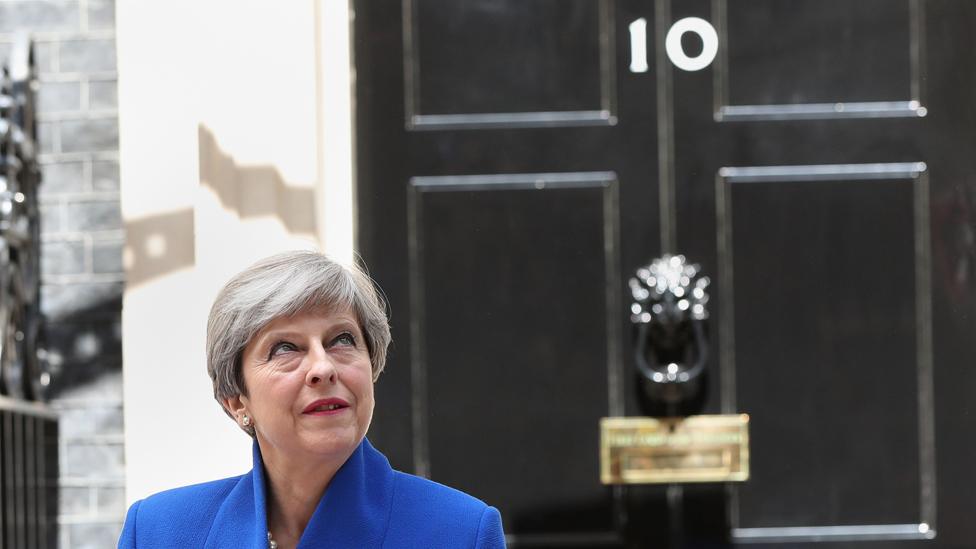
(843, 263)
(508, 63)
(475, 246)
(838, 51)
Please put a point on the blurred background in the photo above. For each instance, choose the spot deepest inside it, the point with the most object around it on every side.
(504, 168)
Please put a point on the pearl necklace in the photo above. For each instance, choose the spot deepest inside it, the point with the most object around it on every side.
(272, 544)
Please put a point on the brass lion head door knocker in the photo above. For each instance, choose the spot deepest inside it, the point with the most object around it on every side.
(669, 316)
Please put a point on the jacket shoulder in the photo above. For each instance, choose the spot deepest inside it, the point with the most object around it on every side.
(181, 516)
(418, 489)
(197, 493)
(429, 514)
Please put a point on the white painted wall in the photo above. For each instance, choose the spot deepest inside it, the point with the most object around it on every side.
(235, 143)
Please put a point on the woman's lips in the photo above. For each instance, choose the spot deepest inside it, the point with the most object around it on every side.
(326, 407)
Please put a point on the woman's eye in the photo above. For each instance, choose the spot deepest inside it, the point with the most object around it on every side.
(280, 348)
(345, 339)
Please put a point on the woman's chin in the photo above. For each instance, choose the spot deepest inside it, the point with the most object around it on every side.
(333, 442)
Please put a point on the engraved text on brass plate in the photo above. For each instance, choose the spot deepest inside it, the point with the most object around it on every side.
(641, 450)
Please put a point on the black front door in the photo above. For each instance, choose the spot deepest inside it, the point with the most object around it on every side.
(519, 159)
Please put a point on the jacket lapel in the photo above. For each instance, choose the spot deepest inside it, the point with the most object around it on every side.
(241, 520)
(355, 510)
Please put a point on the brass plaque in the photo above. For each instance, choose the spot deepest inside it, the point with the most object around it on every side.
(643, 450)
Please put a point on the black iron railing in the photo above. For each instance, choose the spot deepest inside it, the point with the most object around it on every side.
(28, 475)
(28, 428)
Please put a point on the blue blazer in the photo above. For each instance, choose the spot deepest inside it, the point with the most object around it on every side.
(367, 505)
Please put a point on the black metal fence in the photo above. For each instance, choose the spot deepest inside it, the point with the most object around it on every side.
(28, 428)
(28, 475)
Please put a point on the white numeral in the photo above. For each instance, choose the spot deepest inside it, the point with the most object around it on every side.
(638, 45)
(676, 53)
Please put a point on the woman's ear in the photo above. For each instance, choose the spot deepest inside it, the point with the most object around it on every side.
(235, 406)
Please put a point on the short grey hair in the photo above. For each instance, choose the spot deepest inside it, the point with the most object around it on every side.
(283, 285)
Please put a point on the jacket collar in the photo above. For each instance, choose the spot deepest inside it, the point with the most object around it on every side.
(353, 512)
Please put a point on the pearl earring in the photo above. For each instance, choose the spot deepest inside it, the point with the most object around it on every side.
(246, 421)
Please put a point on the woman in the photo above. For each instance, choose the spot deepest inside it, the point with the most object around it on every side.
(294, 344)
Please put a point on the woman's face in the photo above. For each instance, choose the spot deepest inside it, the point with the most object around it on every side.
(310, 386)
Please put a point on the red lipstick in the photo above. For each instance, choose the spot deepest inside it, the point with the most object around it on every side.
(326, 406)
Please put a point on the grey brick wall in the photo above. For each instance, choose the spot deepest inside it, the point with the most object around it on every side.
(92, 504)
(82, 241)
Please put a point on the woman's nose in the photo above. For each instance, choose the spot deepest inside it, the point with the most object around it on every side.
(321, 367)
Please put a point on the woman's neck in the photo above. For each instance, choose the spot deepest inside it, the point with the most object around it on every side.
(294, 488)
